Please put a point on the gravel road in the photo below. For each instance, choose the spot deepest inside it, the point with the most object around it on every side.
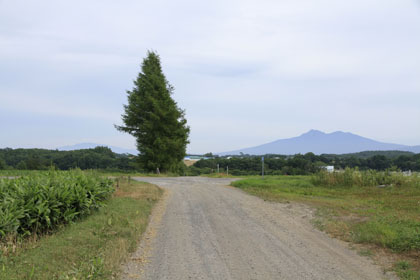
(203, 229)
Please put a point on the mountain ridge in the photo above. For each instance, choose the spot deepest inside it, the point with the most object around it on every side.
(318, 142)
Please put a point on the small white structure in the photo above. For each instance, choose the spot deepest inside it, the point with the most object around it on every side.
(407, 173)
(329, 168)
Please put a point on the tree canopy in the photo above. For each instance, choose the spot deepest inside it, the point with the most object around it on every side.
(154, 119)
(39, 159)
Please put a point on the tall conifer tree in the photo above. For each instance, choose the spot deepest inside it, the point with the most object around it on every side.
(154, 119)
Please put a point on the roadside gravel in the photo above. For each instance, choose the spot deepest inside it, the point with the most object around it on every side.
(203, 229)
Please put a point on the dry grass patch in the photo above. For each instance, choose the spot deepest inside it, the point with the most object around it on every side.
(136, 190)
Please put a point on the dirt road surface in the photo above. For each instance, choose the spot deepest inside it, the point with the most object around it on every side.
(203, 229)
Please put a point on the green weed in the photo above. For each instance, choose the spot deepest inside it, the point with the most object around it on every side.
(405, 272)
(366, 253)
(396, 234)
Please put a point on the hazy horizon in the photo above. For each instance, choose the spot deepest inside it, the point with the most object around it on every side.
(246, 72)
(305, 146)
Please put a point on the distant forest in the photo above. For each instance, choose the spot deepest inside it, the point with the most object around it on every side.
(309, 163)
(39, 159)
(104, 158)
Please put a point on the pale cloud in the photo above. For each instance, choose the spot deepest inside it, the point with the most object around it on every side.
(247, 72)
(53, 107)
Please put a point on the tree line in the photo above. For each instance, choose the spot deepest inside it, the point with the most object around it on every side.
(104, 158)
(41, 159)
(307, 163)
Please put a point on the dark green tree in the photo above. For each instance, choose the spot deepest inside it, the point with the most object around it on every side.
(21, 165)
(3, 164)
(154, 119)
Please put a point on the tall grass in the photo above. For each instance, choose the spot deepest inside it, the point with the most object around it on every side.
(353, 177)
(41, 201)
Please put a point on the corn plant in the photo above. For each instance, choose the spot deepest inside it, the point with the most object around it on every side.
(40, 202)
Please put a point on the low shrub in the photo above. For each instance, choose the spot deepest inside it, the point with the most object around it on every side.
(40, 202)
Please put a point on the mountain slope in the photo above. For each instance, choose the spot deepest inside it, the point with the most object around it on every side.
(319, 142)
(81, 146)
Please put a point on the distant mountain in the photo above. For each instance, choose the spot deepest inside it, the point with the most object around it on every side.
(82, 146)
(318, 142)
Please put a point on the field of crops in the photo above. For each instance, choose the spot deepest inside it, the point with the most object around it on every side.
(39, 202)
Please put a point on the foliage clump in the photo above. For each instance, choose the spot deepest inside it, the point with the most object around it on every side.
(41, 201)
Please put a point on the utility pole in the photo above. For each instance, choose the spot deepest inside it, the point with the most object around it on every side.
(217, 168)
(262, 166)
(227, 170)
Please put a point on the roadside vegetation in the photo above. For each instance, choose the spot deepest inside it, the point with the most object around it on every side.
(88, 247)
(379, 209)
(38, 203)
(219, 175)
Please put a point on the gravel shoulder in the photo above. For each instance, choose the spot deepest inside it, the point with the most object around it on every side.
(203, 229)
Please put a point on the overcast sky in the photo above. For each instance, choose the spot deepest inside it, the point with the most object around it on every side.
(246, 72)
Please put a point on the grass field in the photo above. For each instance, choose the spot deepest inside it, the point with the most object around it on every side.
(91, 248)
(386, 217)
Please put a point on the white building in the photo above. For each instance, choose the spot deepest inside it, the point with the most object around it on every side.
(329, 168)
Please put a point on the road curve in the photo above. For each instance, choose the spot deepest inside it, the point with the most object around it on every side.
(206, 230)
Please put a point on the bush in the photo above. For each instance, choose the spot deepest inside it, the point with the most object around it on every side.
(39, 202)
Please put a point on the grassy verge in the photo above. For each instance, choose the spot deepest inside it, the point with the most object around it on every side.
(386, 218)
(92, 248)
(218, 175)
